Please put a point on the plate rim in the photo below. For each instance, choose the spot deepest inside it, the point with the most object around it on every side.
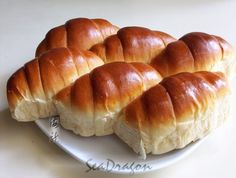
(185, 152)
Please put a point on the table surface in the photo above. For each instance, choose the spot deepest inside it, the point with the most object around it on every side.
(26, 152)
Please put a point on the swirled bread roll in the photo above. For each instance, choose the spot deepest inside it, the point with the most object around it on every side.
(31, 88)
(181, 109)
(79, 33)
(132, 44)
(89, 106)
(196, 51)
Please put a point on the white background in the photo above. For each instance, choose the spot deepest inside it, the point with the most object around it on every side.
(25, 151)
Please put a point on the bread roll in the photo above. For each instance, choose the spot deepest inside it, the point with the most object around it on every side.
(196, 52)
(132, 44)
(31, 88)
(79, 33)
(181, 109)
(89, 106)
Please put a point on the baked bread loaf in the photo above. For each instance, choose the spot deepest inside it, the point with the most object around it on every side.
(181, 109)
(89, 106)
(195, 52)
(80, 33)
(132, 44)
(30, 89)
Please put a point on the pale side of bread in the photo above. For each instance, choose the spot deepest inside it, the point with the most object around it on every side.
(31, 88)
(89, 106)
(181, 109)
(79, 33)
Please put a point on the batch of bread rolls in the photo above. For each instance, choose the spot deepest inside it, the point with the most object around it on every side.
(155, 92)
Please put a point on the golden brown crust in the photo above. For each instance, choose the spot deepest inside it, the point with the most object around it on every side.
(81, 98)
(144, 112)
(193, 52)
(111, 85)
(132, 44)
(226, 48)
(176, 99)
(166, 38)
(80, 33)
(187, 92)
(43, 77)
(17, 88)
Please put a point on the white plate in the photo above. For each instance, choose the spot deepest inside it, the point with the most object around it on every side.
(110, 154)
